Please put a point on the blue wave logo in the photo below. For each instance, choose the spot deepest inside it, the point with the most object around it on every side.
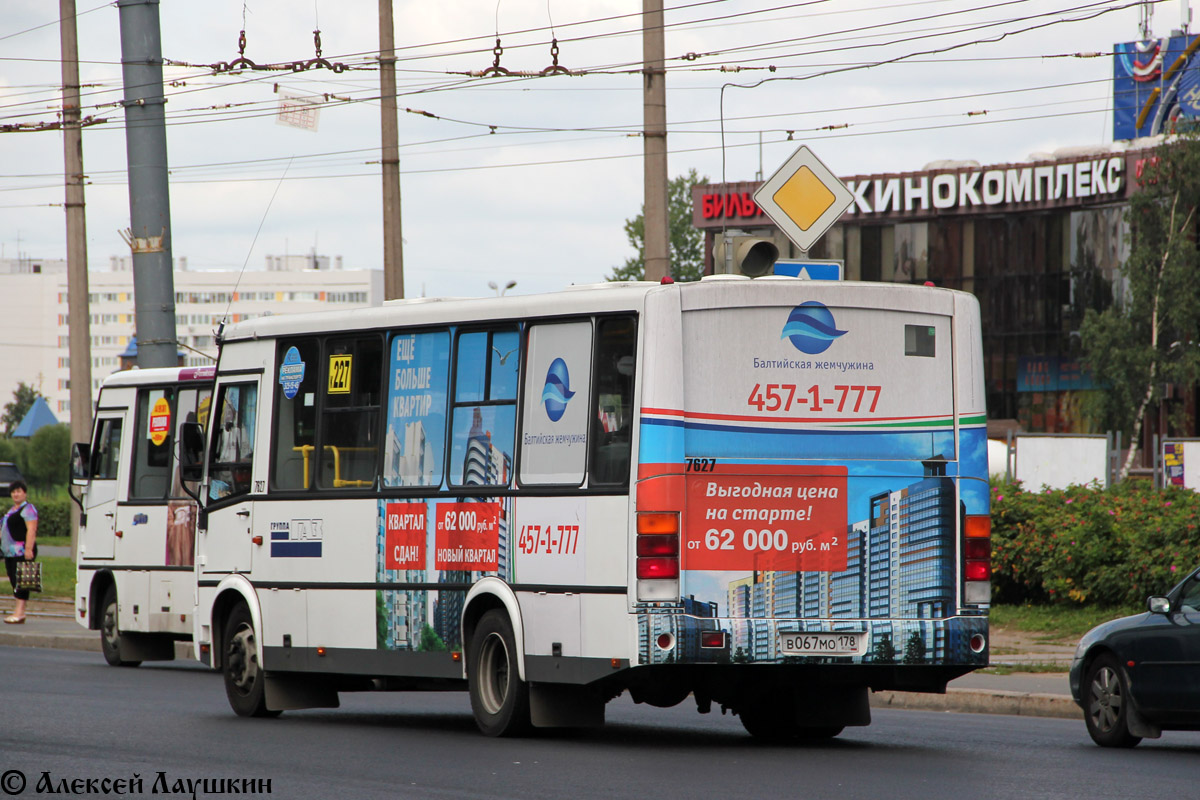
(810, 328)
(558, 392)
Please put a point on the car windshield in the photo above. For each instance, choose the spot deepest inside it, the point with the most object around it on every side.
(1189, 599)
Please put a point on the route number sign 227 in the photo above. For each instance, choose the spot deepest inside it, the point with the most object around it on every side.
(786, 396)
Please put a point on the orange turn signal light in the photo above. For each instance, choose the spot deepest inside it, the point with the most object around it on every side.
(978, 527)
(657, 522)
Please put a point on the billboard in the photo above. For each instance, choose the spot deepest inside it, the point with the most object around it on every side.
(1154, 82)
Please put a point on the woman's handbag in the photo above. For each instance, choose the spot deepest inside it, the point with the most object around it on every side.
(29, 576)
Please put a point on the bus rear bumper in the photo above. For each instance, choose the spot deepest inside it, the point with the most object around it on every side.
(951, 644)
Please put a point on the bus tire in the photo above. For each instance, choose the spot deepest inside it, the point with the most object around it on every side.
(774, 722)
(110, 632)
(499, 698)
(241, 666)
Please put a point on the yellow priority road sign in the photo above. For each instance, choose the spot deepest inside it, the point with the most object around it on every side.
(803, 198)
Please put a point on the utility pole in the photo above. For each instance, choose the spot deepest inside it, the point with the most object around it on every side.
(393, 241)
(149, 236)
(79, 339)
(654, 135)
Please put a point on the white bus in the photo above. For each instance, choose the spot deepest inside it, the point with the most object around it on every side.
(135, 577)
(768, 494)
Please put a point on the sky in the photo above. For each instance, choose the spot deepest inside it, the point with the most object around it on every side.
(531, 179)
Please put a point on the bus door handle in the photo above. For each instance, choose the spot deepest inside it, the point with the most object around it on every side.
(245, 512)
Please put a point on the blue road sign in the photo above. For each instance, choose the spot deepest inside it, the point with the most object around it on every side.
(811, 270)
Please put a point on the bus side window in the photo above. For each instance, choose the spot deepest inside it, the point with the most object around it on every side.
(153, 445)
(415, 438)
(298, 375)
(616, 348)
(232, 456)
(349, 436)
(484, 417)
(106, 450)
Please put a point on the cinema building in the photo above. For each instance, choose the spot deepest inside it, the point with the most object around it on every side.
(1038, 243)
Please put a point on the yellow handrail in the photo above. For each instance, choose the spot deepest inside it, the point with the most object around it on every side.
(338, 483)
(337, 451)
(304, 450)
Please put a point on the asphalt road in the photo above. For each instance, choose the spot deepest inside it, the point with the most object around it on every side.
(72, 718)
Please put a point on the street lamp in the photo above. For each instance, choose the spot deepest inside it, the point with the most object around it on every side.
(500, 291)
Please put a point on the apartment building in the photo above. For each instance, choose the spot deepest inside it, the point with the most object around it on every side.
(34, 331)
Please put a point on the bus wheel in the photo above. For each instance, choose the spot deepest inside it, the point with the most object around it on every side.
(110, 634)
(499, 698)
(775, 722)
(244, 680)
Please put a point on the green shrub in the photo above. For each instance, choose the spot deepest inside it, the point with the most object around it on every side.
(1090, 546)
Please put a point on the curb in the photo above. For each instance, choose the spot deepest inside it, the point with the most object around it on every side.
(982, 701)
(50, 640)
(89, 642)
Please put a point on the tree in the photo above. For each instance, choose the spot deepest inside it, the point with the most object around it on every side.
(15, 411)
(1150, 335)
(14, 451)
(686, 240)
(49, 456)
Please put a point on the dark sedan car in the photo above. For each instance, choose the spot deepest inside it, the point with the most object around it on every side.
(1139, 676)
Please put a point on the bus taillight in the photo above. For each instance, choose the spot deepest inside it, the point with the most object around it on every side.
(977, 553)
(657, 555)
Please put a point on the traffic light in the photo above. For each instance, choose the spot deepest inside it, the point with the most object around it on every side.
(749, 255)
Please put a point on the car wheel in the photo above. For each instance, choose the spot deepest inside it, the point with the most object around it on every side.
(499, 698)
(1107, 704)
(110, 633)
(241, 666)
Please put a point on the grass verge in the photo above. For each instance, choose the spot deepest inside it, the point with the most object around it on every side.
(1009, 669)
(1054, 622)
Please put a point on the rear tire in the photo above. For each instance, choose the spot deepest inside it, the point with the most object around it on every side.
(1106, 691)
(499, 698)
(110, 632)
(241, 666)
(778, 722)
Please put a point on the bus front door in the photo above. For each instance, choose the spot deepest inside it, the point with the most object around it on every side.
(227, 543)
(102, 493)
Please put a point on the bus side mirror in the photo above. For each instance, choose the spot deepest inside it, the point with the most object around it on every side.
(81, 459)
(191, 451)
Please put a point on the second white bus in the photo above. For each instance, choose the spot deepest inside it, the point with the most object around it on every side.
(135, 571)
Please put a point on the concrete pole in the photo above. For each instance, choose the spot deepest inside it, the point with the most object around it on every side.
(654, 119)
(149, 200)
(393, 242)
(79, 339)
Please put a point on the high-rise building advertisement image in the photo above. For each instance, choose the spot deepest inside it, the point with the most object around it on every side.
(450, 543)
